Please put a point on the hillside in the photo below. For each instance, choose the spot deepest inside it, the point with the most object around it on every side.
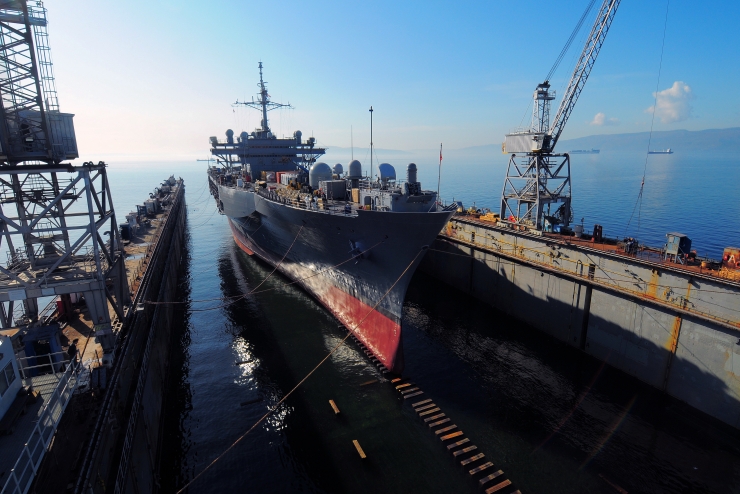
(678, 140)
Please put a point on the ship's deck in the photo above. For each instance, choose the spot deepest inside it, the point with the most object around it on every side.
(78, 326)
(646, 254)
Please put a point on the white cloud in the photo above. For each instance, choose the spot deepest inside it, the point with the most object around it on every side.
(673, 104)
(600, 119)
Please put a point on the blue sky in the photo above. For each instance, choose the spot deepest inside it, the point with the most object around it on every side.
(155, 79)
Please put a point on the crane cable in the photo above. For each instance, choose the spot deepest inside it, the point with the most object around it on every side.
(570, 40)
(638, 201)
(254, 292)
(333, 350)
(565, 49)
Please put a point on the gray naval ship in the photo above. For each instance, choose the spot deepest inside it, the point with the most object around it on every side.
(350, 241)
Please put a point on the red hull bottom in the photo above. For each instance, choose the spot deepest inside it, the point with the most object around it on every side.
(379, 333)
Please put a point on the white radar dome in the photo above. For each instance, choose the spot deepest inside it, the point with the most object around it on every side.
(317, 173)
(354, 169)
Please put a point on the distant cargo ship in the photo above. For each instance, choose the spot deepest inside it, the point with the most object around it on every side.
(662, 151)
(585, 151)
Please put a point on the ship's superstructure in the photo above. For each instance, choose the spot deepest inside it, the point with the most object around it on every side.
(351, 241)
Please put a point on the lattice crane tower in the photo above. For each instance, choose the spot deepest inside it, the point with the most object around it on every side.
(537, 190)
(57, 224)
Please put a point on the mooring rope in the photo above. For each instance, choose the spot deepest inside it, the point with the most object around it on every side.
(272, 410)
(236, 298)
(240, 297)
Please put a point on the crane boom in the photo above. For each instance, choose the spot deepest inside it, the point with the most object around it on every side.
(537, 191)
(582, 70)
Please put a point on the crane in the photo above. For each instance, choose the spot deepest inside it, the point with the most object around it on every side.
(537, 190)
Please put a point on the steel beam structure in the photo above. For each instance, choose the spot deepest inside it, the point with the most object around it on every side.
(545, 175)
(535, 183)
(61, 237)
(54, 217)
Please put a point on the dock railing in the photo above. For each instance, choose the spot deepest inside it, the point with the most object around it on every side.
(24, 471)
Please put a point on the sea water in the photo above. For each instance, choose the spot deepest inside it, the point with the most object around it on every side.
(553, 419)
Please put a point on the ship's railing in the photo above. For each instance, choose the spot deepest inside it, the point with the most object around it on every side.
(391, 185)
(329, 207)
(28, 463)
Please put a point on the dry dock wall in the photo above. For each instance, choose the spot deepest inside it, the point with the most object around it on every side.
(123, 453)
(676, 330)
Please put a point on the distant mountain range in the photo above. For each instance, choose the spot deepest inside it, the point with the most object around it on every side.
(680, 141)
(677, 140)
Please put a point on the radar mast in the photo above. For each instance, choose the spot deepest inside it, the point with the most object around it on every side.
(264, 104)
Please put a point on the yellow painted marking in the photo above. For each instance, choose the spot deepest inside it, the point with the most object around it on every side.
(439, 422)
(448, 428)
(422, 402)
(459, 443)
(450, 436)
(426, 407)
(472, 459)
(485, 466)
(413, 394)
(427, 412)
(409, 390)
(464, 450)
(652, 288)
(434, 417)
(488, 478)
(334, 406)
(396, 379)
(406, 385)
(359, 449)
(498, 487)
(672, 342)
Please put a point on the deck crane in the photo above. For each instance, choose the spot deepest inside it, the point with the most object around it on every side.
(537, 190)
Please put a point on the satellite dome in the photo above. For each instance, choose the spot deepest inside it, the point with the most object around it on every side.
(355, 169)
(317, 173)
(338, 169)
(387, 172)
(230, 136)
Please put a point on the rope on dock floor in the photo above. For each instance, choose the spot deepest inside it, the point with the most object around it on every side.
(333, 350)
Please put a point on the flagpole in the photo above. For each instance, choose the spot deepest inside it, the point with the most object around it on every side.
(439, 175)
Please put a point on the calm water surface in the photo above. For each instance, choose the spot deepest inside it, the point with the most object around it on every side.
(555, 420)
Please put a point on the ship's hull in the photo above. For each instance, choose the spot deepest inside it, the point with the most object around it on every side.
(316, 250)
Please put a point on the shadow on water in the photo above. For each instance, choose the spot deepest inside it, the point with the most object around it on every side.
(290, 333)
(258, 348)
(554, 419)
(223, 385)
(553, 413)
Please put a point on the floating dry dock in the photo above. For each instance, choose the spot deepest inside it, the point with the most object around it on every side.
(94, 426)
(672, 326)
